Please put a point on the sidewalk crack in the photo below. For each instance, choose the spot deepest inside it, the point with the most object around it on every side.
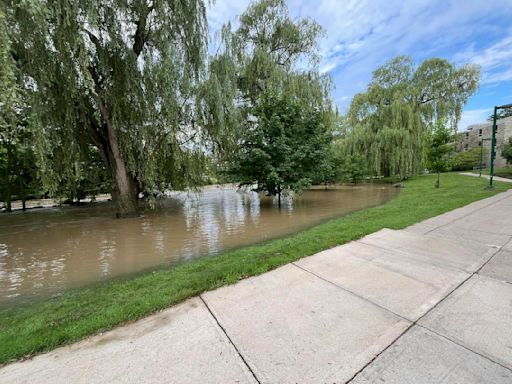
(230, 340)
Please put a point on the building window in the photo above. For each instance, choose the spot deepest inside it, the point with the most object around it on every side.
(466, 146)
(479, 132)
(467, 134)
(479, 143)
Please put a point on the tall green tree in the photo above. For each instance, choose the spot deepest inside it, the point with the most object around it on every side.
(10, 130)
(269, 53)
(270, 58)
(353, 168)
(391, 121)
(8, 81)
(282, 148)
(120, 75)
(18, 173)
(327, 169)
(440, 145)
(87, 177)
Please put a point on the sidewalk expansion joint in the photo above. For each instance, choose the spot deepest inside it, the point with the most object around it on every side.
(464, 346)
(230, 340)
(470, 213)
(415, 322)
(352, 293)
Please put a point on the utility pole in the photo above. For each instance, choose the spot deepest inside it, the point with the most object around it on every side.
(493, 142)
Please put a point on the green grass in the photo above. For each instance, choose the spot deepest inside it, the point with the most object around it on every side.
(39, 327)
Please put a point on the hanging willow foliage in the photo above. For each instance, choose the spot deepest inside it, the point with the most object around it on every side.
(395, 148)
(269, 53)
(118, 75)
(8, 83)
(393, 118)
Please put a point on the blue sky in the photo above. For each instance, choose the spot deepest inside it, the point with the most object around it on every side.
(363, 34)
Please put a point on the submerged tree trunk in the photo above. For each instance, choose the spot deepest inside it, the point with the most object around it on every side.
(124, 185)
(8, 193)
(125, 193)
(8, 204)
(124, 188)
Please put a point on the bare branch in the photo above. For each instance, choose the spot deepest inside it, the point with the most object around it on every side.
(141, 34)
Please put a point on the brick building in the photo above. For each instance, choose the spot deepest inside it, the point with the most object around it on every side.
(473, 135)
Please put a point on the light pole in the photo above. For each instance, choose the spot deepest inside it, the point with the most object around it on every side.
(493, 142)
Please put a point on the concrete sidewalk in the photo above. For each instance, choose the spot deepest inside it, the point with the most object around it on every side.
(495, 178)
(428, 304)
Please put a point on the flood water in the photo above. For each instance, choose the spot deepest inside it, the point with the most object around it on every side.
(44, 252)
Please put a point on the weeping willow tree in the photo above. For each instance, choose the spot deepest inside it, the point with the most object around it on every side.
(8, 83)
(117, 75)
(392, 120)
(268, 54)
(393, 148)
(9, 101)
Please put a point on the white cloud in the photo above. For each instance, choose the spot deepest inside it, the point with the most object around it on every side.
(219, 13)
(363, 34)
(473, 116)
(493, 56)
(498, 77)
(222, 11)
(495, 60)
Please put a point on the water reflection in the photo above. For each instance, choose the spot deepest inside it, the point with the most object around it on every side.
(47, 251)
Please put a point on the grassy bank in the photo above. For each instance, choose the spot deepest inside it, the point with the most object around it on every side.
(74, 315)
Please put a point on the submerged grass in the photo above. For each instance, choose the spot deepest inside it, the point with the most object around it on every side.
(39, 327)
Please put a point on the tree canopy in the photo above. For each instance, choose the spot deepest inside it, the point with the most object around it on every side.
(269, 58)
(439, 147)
(268, 53)
(121, 95)
(403, 103)
(117, 75)
(506, 152)
(282, 147)
(15, 155)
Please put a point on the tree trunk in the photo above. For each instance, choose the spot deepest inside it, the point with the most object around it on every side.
(124, 189)
(8, 194)
(8, 205)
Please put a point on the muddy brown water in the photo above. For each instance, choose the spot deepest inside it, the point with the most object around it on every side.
(45, 252)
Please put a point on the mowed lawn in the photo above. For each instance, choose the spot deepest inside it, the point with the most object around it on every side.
(74, 315)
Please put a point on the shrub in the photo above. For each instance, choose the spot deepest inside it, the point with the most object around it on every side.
(465, 161)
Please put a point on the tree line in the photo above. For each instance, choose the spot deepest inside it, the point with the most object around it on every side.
(124, 96)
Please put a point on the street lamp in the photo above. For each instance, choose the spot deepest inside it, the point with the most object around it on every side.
(493, 141)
